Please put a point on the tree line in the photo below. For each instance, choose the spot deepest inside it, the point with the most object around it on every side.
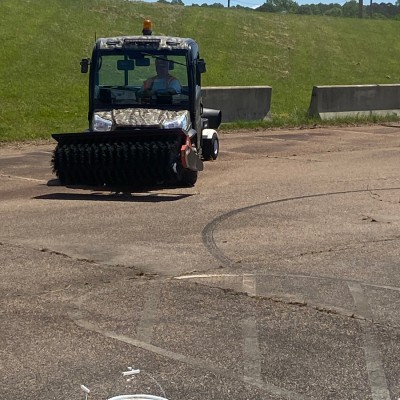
(349, 9)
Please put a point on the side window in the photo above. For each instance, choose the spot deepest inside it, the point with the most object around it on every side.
(178, 69)
(109, 75)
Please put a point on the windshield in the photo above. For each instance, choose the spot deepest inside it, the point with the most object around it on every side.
(141, 79)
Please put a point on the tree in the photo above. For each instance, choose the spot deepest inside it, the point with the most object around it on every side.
(239, 7)
(305, 9)
(289, 6)
(350, 8)
(334, 12)
(389, 10)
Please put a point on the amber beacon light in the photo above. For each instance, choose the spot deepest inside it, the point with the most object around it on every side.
(147, 27)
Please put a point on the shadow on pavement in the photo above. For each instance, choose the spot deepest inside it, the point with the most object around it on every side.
(121, 197)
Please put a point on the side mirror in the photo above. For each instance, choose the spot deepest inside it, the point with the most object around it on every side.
(85, 65)
(201, 65)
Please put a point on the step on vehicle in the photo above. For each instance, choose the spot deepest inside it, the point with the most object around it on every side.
(141, 131)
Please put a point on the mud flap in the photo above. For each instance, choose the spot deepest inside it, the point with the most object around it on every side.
(189, 157)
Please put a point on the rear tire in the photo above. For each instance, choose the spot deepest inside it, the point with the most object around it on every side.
(211, 148)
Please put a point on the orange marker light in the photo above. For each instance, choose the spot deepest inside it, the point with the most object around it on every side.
(147, 27)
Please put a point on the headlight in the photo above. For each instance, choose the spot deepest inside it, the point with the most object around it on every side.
(102, 123)
(181, 121)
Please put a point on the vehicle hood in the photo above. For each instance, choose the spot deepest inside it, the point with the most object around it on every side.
(147, 117)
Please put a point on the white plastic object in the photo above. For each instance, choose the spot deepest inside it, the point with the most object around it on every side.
(137, 397)
(131, 372)
(85, 389)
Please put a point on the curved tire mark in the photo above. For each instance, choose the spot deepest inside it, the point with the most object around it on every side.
(208, 231)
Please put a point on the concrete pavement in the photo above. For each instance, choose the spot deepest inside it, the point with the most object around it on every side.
(275, 277)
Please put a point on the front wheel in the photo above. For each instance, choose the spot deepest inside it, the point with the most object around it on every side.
(211, 148)
(186, 177)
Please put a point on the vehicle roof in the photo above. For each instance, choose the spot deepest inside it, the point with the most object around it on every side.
(145, 42)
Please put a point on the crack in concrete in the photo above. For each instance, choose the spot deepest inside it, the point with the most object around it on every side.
(78, 259)
(21, 178)
(378, 197)
(345, 248)
(89, 283)
(300, 302)
(294, 157)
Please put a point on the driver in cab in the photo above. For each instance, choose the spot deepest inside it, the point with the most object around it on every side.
(163, 81)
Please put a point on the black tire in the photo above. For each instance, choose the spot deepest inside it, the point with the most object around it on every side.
(211, 148)
(186, 177)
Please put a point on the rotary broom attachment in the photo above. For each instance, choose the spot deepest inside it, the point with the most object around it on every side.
(117, 159)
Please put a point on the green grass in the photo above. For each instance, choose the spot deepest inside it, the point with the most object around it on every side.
(42, 90)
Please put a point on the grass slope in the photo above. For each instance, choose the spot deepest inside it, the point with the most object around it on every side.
(42, 90)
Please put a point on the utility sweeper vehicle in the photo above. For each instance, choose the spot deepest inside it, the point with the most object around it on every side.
(146, 126)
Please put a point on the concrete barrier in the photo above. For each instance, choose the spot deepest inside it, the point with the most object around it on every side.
(360, 100)
(239, 102)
